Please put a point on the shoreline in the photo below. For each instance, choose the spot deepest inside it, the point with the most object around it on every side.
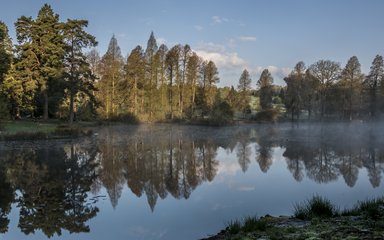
(320, 220)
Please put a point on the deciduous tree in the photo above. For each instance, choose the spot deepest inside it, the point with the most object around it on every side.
(327, 73)
(265, 89)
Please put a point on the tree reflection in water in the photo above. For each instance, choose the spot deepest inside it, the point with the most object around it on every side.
(156, 162)
(51, 188)
(50, 184)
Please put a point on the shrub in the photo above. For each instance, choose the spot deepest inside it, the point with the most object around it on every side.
(221, 114)
(126, 118)
(4, 111)
(271, 115)
(315, 207)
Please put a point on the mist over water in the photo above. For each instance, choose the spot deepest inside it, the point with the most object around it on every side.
(181, 182)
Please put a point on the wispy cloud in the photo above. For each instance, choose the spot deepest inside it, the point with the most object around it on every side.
(247, 38)
(219, 20)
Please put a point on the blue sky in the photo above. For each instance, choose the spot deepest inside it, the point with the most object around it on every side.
(236, 34)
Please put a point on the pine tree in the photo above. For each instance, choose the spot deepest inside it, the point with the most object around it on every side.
(293, 98)
(41, 48)
(162, 104)
(12, 89)
(265, 89)
(192, 75)
(210, 76)
(173, 68)
(5, 65)
(351, 81)
(244, 88)
(5, 51)
(111, 72)
(372, 83)
(151, 75)
(78, 74)
(184, 58)
(132, 88)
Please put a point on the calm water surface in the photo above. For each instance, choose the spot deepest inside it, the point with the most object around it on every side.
(181, 182)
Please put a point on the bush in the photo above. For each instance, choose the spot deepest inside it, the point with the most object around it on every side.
(126, 118)
(271, 115)
(4, 111)
(221, 114)
(315, 207)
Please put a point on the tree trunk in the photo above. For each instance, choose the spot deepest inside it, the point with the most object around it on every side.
(45, 95)
(71, 108)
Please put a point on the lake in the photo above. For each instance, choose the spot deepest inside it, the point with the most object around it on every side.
(181, 182)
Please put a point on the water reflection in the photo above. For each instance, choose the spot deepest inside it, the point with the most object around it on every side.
(155, 162)
(51, 183)
(325, 154)
(50, 187)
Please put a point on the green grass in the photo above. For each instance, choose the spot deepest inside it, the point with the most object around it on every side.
(248, 224)
(234, 227)
(316, 207)
(371, 208)
(251, 224)
(15, 127)
(28, 130)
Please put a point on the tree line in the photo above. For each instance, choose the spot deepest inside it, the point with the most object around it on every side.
(49, 74)
(323, 90)
(326, 90)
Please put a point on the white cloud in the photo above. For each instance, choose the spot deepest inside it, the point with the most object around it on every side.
(278, 73)
(273, 69)
(198, 27)
(219, 20)
(218, 54)
(160, 41)
(247, 38)
(222, 59)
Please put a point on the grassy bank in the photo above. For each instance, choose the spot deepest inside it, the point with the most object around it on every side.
(35, 130)
(316, 218)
